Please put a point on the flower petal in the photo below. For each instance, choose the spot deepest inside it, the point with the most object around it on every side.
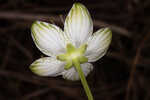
(48, 38)
(78, 24)
(72, 74)
(47, 66)
(98, 44)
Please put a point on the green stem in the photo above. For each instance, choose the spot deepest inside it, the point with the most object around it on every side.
(83, 79)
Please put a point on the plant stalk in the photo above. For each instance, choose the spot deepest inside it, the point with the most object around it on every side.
(83, 79)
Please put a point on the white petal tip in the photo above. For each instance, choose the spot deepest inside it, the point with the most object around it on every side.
(78, 24)
(36, 70)
(78, 4)
(47, 66)
(98, 44)
(109, 37)
(49, 38)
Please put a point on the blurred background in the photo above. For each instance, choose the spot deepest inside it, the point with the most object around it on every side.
(122, 74)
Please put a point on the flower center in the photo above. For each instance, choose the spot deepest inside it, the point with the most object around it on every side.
(72, 54)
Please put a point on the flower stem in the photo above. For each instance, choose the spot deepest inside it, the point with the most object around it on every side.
(83, 79)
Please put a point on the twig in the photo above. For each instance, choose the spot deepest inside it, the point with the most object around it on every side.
(133, 68)
(6, 57)
(35, 93)
(128, 60)
(56, 18)
(28, 16)
(115, 28)
(119, 57)
(21, 48)
(51, 83)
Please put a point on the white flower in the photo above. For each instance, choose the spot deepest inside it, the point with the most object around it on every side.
(75, 42)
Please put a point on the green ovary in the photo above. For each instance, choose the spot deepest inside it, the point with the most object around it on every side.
(73, 53)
